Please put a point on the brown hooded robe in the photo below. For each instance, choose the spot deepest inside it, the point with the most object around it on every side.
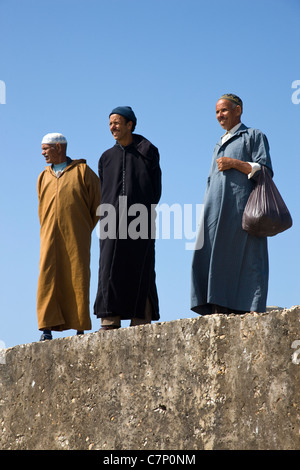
(67, 214)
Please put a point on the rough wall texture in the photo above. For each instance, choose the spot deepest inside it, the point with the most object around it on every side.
(219, 382)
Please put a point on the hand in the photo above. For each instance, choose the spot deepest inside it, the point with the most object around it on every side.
(225, 163)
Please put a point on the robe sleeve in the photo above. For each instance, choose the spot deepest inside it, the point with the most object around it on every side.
(260, 152)
(93, 186)
(156, 175)
(39, 187)
(100, 170)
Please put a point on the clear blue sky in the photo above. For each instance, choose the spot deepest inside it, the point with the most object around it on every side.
(67, 63)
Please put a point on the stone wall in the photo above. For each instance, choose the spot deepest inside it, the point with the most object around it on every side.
(219, 382)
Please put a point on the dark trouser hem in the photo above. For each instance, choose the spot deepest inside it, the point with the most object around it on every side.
(115, 321)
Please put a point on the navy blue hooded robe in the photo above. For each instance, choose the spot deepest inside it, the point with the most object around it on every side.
(231, 269)
(127, 266)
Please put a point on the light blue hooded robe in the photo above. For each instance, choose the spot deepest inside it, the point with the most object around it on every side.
(232, 268)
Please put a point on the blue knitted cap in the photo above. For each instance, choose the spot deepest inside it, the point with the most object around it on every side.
(126, 112)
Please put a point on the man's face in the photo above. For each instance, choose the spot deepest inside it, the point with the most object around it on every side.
(120, 129)
(228, 115)
(51, 153)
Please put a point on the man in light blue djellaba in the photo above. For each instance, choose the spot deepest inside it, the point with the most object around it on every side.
(230, 271)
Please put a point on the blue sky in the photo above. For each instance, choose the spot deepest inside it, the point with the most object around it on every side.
(67, 63)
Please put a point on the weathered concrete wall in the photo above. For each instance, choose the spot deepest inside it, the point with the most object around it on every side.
(220, 382)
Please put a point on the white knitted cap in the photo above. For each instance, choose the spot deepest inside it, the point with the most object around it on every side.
(54, 138)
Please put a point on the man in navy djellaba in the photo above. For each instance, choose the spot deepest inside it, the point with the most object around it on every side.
(230, 271)
(130, 175)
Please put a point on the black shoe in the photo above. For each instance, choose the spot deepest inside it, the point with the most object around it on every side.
(46, 336)
(80, 333)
